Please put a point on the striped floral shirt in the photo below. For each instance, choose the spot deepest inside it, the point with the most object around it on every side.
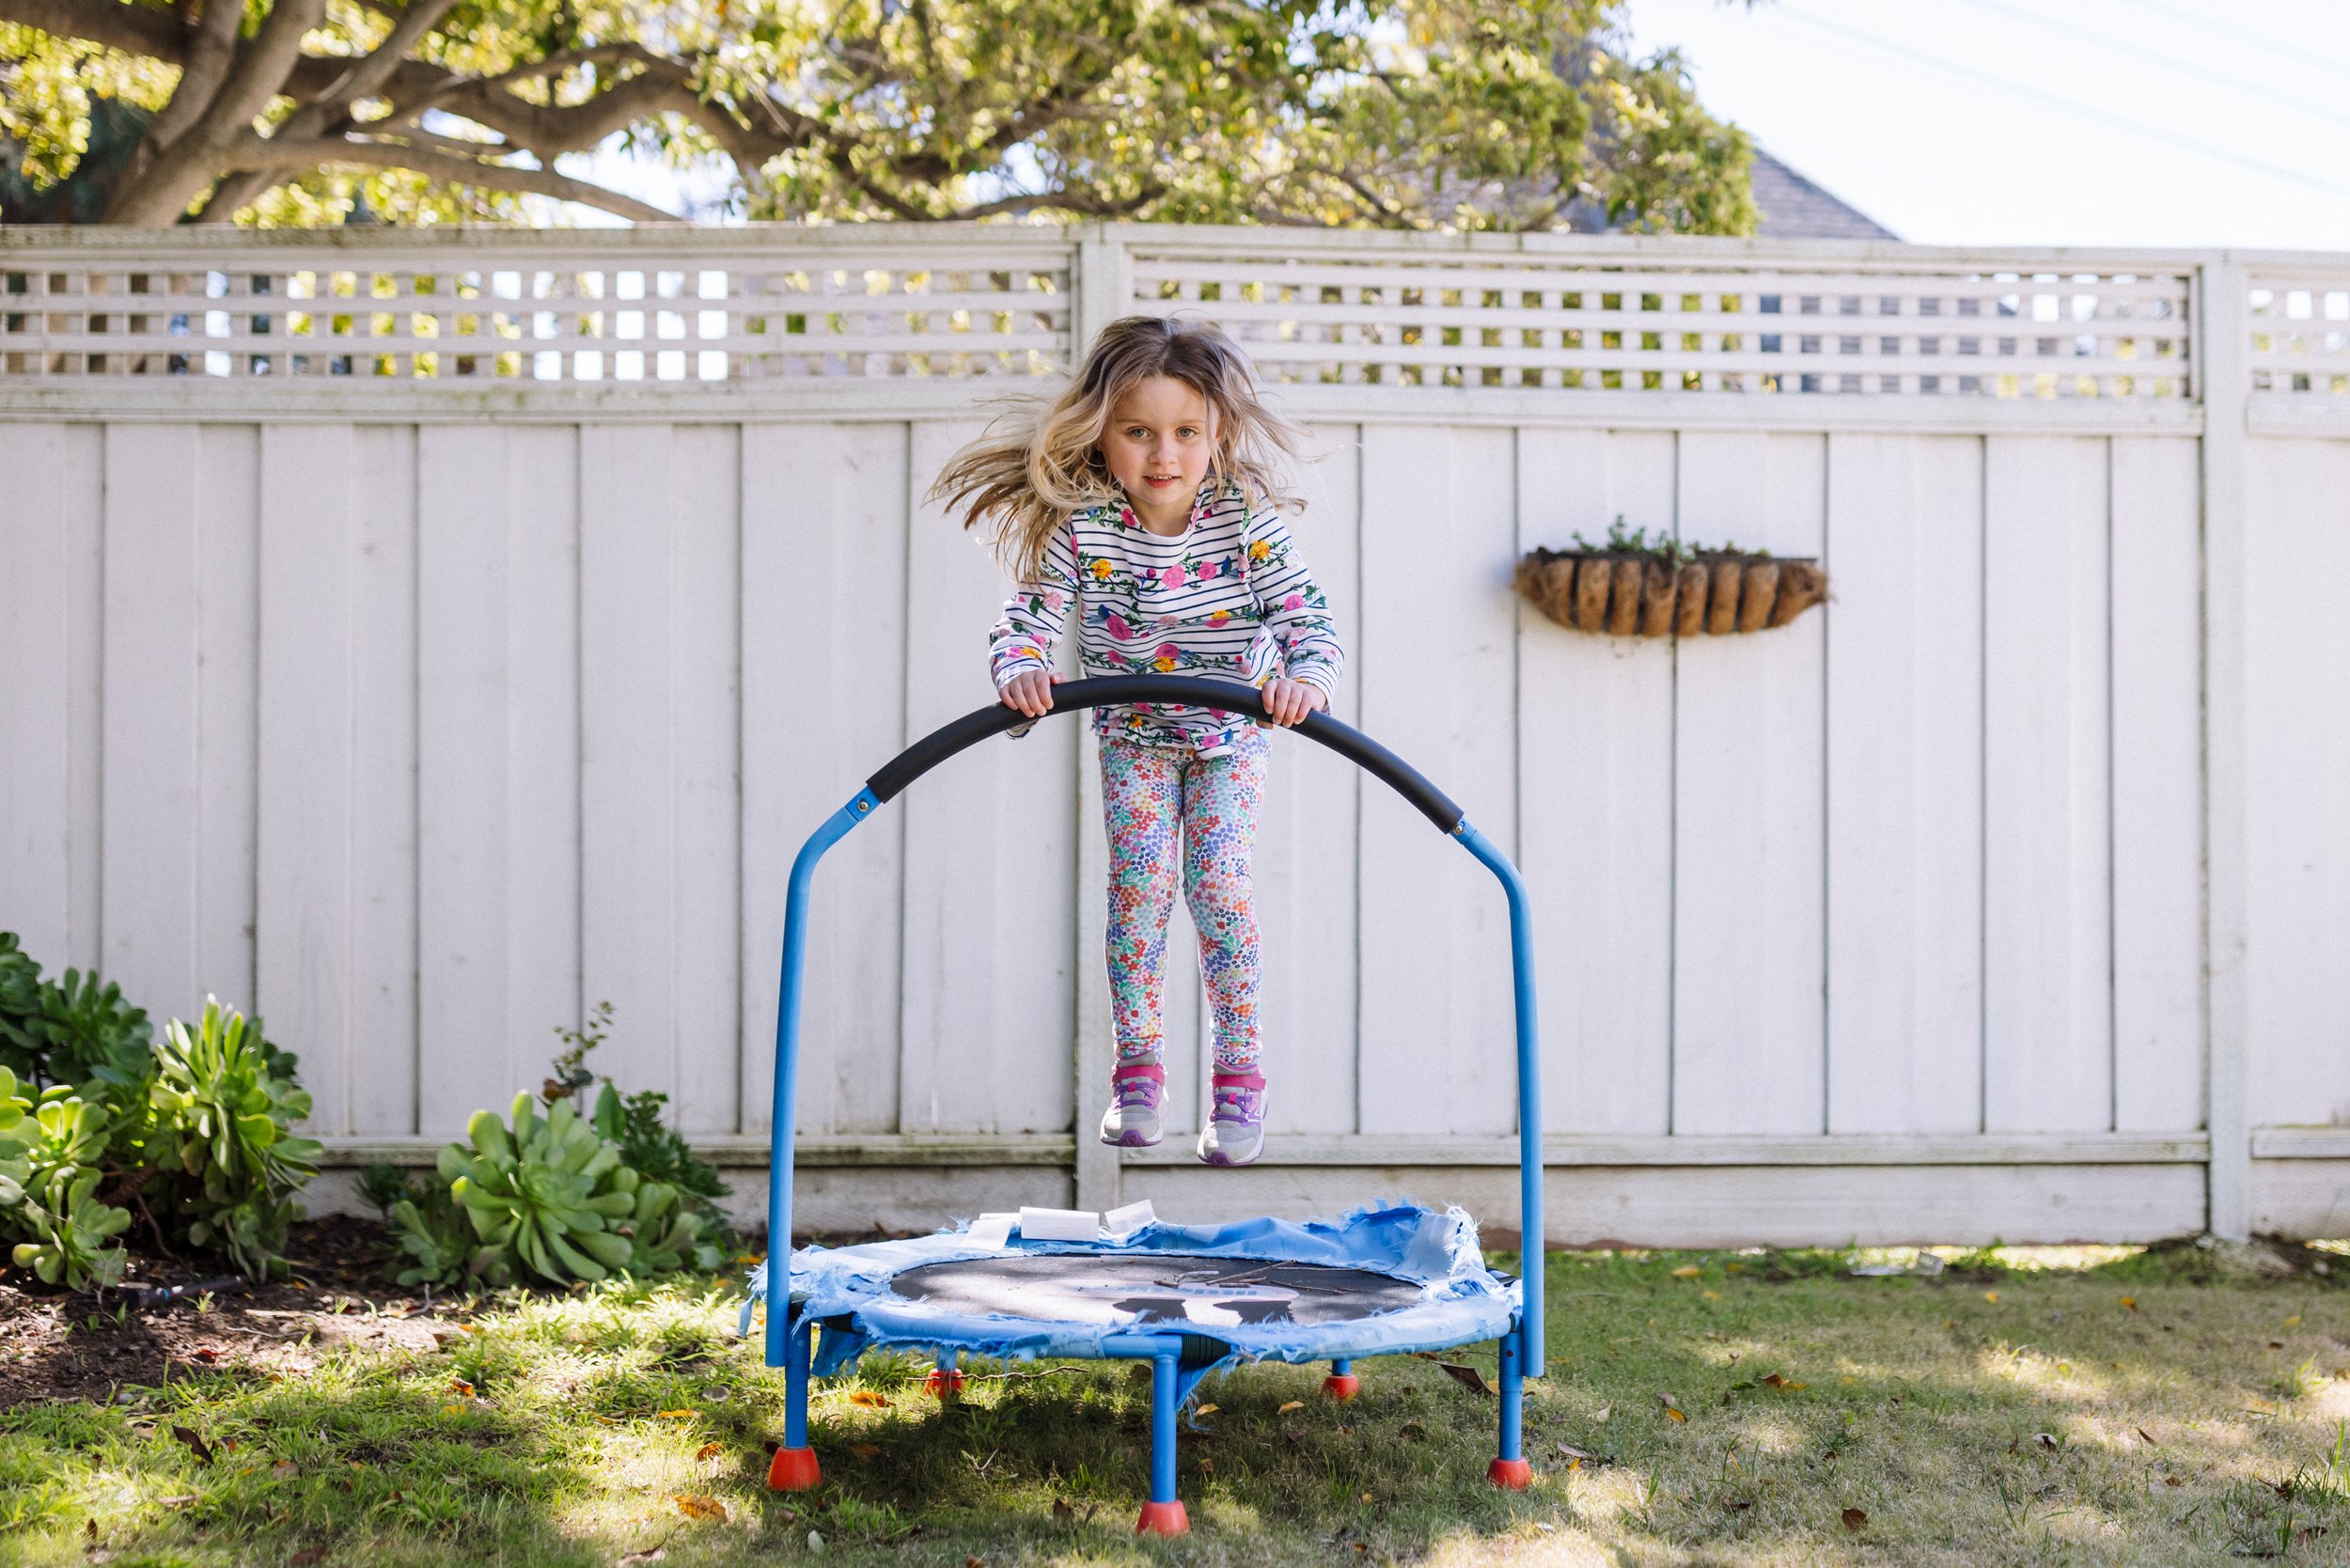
(1229, 598)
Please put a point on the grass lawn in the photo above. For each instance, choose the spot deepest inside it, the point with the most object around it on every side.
(2040, 1408)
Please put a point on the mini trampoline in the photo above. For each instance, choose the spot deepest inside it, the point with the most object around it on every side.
(1384, 1279)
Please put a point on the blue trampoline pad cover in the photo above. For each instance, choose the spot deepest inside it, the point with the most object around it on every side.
(1384, 1278)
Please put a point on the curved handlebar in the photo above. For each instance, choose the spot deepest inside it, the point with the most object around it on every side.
(1189, 691)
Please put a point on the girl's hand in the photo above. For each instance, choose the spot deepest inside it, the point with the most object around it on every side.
(1031, 693)
(1288, 703)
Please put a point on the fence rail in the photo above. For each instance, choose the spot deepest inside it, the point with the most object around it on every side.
(393, 645)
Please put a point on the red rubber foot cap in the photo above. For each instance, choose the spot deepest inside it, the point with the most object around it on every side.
(1342, 1388)
(1164, 1518)
(1516, 1474)
(794, 1470)
(943, 1381)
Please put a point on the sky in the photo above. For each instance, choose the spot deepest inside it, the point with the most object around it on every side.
(1994, 122)
(2075, 123)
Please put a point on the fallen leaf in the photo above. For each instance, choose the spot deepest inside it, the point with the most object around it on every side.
(2276, 1344)
(2294, 1322)
(204, 1354)
(708, 1450)
(1062, 1510)
(678, 1415)
(2045, 1439)
(1605, 1411)
(815, 1541)
(870, 1400)
(975, 1563)
(1992, 1296)
(1293, 1404)
(1292, 1434)
(462, 1389)
(1366, 1496)
(1714, 1296)
(1855, 1518)
(197, 1445)
(1775, 1381)
(694, 1505)
(2141, 1432)
(633, 1559)
(1363, 1548)
(310, 1557)
(185, 1499)
(1468, 1377)
(2130, 1302)
(2173, 1481)
(285, 1470)
(1675, 1413)
(1691, 1272)
(1206, 1411)
(866, 1450)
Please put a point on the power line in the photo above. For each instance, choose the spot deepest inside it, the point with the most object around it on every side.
(2237, 35)
(2083, 111)
(2261, 90)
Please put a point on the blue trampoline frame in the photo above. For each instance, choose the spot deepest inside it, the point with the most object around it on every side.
(789, 1346)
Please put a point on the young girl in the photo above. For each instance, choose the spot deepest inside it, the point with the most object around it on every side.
(1141, 503)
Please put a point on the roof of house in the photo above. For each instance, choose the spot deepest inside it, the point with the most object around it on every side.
(1795, 209)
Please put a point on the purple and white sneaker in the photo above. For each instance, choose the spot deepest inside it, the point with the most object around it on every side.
(1132, 1120)
(1235, 1131)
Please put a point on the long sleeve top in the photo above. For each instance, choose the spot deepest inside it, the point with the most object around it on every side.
(1230, 597)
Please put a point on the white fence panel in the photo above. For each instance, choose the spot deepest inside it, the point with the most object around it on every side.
(499, 666)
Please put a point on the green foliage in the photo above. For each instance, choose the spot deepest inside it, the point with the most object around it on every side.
(222, 1130)
(69, 1231)
(16, 1168)
(1664, 547)
(1407, 114)
(656, 1150)
(70, 1031)
(548, 1198)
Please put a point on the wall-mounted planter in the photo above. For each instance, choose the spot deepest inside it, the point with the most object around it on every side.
(1647, 595)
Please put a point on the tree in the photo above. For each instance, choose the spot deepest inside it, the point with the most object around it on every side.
(1472, 113)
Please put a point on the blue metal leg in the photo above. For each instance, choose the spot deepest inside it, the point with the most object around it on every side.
(1163, 1515)
(1510, 1467)
(795, 1467)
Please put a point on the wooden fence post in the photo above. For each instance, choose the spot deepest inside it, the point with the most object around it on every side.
(2222, 329)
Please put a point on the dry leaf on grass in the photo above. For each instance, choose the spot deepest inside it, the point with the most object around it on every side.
(870, 1400)
(2141, 1432)
(1061, 1510)
(866, 1450)
(694, 1505)
(1855, 1518)
(678, 1415)
(1775, 1381)
(1672, 1407)
(708, 1450)
(310, 1557)
(2130, 1302)
(185, 1499)
(1206, 1411)
(1992, 1296)
(1293, 1404)
(285, 1470)
(197, 1445)
(634, 1560)
(1468, 1377)
(1690, 1271)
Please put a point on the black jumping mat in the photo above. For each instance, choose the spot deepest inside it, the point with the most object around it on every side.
(1164, 1287)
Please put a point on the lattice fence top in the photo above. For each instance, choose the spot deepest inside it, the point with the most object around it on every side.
(1468, 321)
(690, 316)
(2300, 332)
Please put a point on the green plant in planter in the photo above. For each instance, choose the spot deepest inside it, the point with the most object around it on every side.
(69, 1231)
(221, 1131)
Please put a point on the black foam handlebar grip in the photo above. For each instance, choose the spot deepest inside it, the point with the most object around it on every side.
(1185, 690)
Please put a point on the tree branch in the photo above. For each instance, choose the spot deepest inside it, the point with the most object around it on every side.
(275, 155)
(190, 163)
(133, 29)
(211, 52)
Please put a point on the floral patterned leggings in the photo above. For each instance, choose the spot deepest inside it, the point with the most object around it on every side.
(1149, 794)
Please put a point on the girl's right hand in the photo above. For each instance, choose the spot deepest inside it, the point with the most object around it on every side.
(1031, 693)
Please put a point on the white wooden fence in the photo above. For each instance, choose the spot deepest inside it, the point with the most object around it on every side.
(423, 635)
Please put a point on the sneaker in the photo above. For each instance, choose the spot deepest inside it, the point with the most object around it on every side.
(1132, 1120)
(1235, 1131)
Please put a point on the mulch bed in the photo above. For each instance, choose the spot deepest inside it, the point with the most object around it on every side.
(340, 1294)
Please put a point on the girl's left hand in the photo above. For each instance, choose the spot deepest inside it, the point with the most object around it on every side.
(1288, 703)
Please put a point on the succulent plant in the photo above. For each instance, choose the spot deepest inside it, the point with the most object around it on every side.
(16, 1168)
(69, 1230)
(72, 1031)
(666, 1236)
(222, 1129)
(545, 1196)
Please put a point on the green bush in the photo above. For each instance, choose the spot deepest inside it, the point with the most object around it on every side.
(656, 1150)
(74, 1031)
(549, 1197)
(223, 1133)
(50, 1150)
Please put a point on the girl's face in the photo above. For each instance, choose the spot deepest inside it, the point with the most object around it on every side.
(1158, 444)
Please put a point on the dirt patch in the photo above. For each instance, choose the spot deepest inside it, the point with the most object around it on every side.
(99, 1345)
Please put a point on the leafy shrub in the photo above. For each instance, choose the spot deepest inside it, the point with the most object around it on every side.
(72, 1031)
(657, 1151)
(549, 1197)
(50, 1150)
(222, 1130)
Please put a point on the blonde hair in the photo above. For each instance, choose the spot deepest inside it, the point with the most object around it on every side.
(1042, 458)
